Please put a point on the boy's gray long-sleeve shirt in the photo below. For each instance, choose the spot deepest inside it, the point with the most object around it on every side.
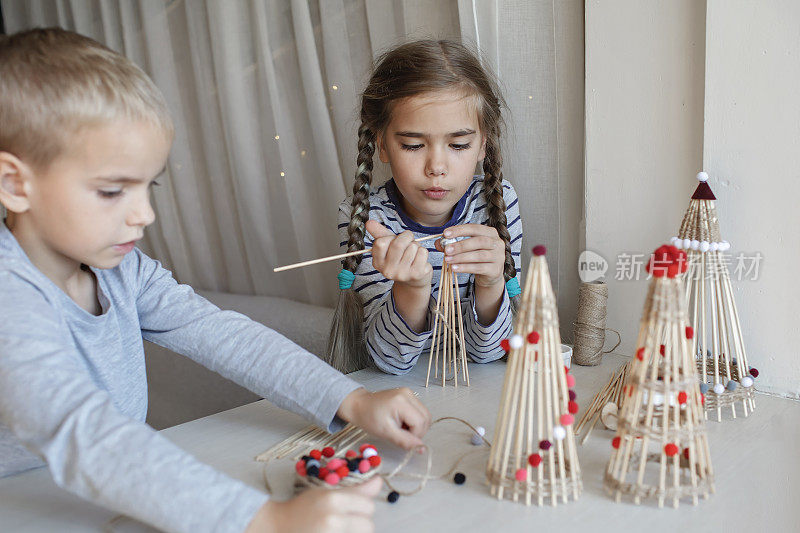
(73, 388)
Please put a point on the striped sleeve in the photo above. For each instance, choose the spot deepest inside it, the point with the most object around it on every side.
(483, 341)
(391, 343)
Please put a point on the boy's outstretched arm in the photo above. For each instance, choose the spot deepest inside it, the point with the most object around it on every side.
(394, 414)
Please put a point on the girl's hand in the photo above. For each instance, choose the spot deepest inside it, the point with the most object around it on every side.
(483, 254)
(342, 511)
(395, 415)
(398, 257)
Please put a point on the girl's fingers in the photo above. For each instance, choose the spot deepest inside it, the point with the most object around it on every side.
(469, 230)
(398, 247)
(474, 243)
(376, 229)
(477, 256)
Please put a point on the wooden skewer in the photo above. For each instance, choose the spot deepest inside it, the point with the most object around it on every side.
(342, 256)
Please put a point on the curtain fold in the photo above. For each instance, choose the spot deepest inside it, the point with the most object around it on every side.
(265, 94)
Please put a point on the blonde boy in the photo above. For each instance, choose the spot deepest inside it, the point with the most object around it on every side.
(83, 136)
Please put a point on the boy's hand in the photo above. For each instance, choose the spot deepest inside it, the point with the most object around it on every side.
(398, 257)
(341, 510)
(483, 254)
(395, 414)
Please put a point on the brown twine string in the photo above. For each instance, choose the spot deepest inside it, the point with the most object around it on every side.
(355, 478)
(590, 324)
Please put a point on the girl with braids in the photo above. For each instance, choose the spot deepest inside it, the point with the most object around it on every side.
(432, 113)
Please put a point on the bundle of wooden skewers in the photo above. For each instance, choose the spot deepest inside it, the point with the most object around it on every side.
(605, 404)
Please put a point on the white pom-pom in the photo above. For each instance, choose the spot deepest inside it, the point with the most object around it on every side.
(747, 382)
(445, 242)
(724, 245)
(702, 176)
(704, 246)
(658, 398)
(719, 388)
(480, 430)
(369, 452)
(677, 243)
(714, 246)
(695, 244)
(516, 341)
(559, 433)
(686, 243)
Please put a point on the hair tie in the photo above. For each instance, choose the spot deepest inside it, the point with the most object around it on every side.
(346, 279)
(512, 287)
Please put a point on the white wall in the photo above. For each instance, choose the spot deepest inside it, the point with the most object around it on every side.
(673, 87)
(752, 152)
(644, 134)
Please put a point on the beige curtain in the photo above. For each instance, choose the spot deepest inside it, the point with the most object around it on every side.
(264, 98)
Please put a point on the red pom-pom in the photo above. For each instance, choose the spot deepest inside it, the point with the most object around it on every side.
(342, 471)
(300, 466)
(521, 474)
(323, 473)
(350, 454)
(671, 449)
(505, 345)
(327, 451)
(667, 261)
(534, 459)
(753, 372)
(545, 444)
(539, 249)
(374, 461)
(334, 464)
(365, 446)
(567, 419)
(566, 369)
(689, 332)
(364, 466)
(615, 442)
(662, 350)
(686, 453)
(702, 399)
(332, 478)
(682, 397)
(640, 354)
(570, 381)
(573, 407)
(533, 337)
(316, 454)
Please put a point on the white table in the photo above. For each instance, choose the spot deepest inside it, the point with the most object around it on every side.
(756, 463)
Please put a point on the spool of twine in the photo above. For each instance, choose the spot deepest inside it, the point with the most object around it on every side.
(590, 324)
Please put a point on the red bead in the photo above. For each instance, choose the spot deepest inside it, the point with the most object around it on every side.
(539, 249)
(316, 454)
(615, 442)
(350, 454)
(572, 407)
(570, 381)
(689, 332)
(323, 473)
(374, 461)
(365, 446)
(342, 471)
(363, 466)
(671, 449)
(333, 464)
(686, 453)
(327, 451)
(662, 350)
(534, 459)
(533, 337)
(682, 397)
(505, 345)
(332, 478)
(640, 354)
(300, 466)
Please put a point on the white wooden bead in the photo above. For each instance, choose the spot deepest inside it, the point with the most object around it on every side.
(516, 341)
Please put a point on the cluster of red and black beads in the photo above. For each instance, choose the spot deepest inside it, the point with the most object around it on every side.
(332, 469)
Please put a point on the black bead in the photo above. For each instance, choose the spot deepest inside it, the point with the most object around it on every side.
(393, 496)
(352, 464)
(312, 471)
(459, 478)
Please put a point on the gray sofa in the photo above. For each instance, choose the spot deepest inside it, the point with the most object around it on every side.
(181, 390)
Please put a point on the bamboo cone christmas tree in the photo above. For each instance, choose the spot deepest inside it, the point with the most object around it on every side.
(533, 452)
(661, 449)
(722, 360)
(448, 329)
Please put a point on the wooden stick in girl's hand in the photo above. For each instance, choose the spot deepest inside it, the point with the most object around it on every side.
(342, 256)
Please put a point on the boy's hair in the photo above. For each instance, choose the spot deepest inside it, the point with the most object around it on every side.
(53, 82)
(409, 70)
